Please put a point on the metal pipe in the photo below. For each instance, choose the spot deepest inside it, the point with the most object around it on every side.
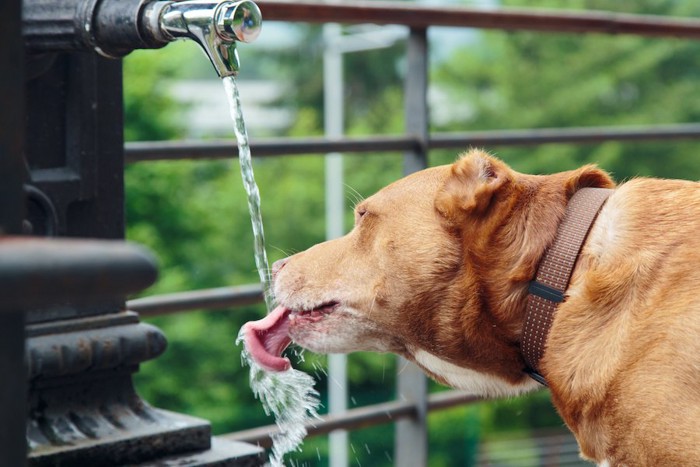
(111, 28)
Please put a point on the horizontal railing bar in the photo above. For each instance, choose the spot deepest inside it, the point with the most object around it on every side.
(354, 419)
(351, 420)
(576, 135)
(173, 150)
(448, 399)
(210, 299)
(501, 18)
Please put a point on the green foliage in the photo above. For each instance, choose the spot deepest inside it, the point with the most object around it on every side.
(148, 110)
(523, 80)
(193, 215)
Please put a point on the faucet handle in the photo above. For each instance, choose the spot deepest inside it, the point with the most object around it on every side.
(215, 24)
(242, 21)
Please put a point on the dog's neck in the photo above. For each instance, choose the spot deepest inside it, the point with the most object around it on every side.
(513, 243)
(503, 249)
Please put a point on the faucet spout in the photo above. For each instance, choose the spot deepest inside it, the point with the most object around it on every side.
(215, 26)
(113, 28)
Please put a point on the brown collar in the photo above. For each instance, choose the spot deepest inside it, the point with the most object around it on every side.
(554, 273)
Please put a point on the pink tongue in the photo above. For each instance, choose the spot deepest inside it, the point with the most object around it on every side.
(267, 338)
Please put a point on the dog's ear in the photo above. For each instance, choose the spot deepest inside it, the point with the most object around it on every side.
(469, 189)
(587, 176)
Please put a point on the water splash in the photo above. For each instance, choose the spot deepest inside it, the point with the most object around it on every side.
(290, 395)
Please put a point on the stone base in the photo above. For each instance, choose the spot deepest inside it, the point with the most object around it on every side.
(99, 420)
(84, 411)
(223, 453)
(76, 428)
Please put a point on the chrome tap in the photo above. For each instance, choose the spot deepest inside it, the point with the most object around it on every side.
(216, 26)
(113, 28)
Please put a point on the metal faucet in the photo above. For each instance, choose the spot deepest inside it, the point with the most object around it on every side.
(216, 26)
(113, 28)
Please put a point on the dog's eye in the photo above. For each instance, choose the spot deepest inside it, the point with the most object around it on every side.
(359, 214)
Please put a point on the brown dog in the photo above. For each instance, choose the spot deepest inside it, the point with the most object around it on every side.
(437, 269)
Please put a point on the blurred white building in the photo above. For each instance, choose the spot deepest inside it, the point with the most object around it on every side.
(206, 112)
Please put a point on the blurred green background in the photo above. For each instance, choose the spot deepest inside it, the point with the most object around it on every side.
(193, 214)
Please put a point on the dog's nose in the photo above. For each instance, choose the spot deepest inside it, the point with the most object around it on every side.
(277, 267)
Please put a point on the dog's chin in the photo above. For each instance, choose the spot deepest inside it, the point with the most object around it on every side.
(341, 331)
(321, 332)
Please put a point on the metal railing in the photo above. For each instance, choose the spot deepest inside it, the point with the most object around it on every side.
(170, 150)
(416, 142)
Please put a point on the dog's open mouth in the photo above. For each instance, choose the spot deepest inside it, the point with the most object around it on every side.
(267, 338)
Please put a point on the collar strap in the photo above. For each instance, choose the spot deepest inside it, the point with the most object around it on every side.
(554, 272)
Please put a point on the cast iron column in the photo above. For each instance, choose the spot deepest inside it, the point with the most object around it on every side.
(13, 390)
(83, 346)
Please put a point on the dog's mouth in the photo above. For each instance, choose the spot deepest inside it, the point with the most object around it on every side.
(267, 338)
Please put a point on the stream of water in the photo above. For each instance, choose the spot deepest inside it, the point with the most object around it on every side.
(290, 395)
(251, 188)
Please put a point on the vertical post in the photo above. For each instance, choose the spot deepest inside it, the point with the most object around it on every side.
(333, 125)
(11, 118)
(411, 440)
(13, 392)
(416, 99)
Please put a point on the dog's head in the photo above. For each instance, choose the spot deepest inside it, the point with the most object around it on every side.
(435, 269)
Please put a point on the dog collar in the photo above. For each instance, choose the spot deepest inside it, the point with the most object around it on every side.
(554, 272)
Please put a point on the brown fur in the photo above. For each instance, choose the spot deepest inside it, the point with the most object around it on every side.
(439, 262)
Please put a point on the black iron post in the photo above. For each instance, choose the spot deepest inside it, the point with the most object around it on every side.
(14, 388)
(73, 277)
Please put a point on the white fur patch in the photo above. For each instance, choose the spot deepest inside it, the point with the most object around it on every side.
(606, 228)
(605, 463)
(473, 382)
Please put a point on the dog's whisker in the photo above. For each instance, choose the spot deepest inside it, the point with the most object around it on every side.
(405, 365)
(371, 305)
(335, 381)
(285, 251)
(356, 194)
